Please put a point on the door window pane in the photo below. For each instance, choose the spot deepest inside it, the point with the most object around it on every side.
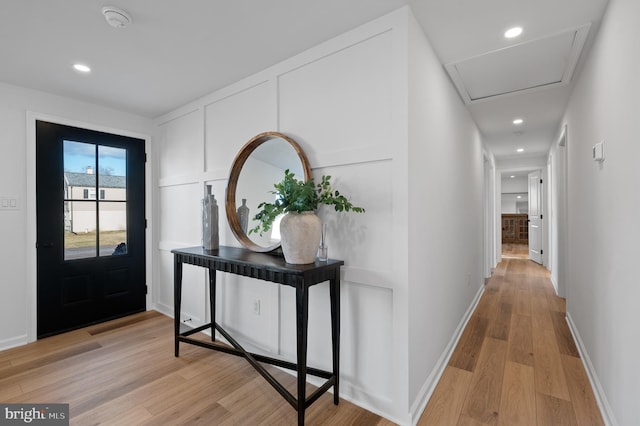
(112, 173)
(113, 228)
(80, 239)
(79, 229)
(79, 165)
(97, 175)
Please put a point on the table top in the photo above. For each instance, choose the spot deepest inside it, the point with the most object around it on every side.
(242, 261)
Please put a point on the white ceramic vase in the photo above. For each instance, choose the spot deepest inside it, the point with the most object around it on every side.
(300, 235)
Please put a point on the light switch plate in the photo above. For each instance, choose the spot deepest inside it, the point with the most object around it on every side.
(9, 203)
(598, 151)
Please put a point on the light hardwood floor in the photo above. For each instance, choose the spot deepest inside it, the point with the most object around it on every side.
(516, 362)
(515, 251)
(124, 373)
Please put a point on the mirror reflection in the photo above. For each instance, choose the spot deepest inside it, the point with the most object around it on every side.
(259, 165)
(262, 169)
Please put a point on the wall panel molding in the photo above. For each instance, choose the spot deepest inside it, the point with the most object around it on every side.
(357, 134)
(188, 179)
(367, 277)
(351, 156)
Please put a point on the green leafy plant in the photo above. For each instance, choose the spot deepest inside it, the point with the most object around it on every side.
(293, 195)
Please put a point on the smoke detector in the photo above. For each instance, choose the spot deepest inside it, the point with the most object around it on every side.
(116, 17)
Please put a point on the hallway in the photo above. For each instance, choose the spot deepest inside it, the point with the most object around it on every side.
(515, 251)
(516, 362)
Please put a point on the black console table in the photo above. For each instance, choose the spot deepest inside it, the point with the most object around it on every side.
(272, 268)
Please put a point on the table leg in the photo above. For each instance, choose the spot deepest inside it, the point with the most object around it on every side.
(334, 292)
(177, 299)
(212, 302)
(302, 322)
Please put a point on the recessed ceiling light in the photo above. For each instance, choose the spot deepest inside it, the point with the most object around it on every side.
(518, 121)
(520, 149)
(513, 32)
(519, 196)
(81, 68)
(511, 176)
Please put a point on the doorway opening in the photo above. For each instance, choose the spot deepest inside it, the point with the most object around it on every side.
(515, 214)
(522, 214)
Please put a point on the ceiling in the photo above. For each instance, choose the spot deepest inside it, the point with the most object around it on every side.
(175, 52)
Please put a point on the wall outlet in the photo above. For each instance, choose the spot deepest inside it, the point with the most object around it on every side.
(256, 306)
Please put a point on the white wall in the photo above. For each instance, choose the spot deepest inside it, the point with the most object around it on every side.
(508, 203)
(516, 184)
(511, 189)
(337, 101)
(347, 104)
(445, 221)
(511, 204)
(17, 163)
(522, 163)
(602, 285)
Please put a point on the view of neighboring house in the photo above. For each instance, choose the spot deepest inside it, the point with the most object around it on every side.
(81, 192)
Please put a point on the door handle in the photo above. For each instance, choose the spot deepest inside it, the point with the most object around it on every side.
(47, 244)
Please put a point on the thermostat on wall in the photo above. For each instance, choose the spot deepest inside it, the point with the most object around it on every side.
(598, 152)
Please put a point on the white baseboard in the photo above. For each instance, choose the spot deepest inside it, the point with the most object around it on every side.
(601, 398)
(13, 342)
(348, 391)
(554, 284)
(164, 309)
(377, 404)
(430, 384)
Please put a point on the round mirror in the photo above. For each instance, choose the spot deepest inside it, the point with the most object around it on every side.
(258, 166)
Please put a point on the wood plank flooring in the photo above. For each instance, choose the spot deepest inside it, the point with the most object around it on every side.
(124, 373)
(516, 362)
(515, 251)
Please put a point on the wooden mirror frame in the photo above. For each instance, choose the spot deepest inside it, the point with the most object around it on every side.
(234, 174)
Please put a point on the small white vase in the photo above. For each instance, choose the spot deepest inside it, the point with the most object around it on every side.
(300, 235)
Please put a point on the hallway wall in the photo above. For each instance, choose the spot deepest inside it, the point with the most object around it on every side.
(337, 100)
(445, 222)
(602, 284)
(374, 109)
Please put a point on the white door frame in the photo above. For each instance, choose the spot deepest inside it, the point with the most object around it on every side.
(536, 215)
(490, 260)
(544, 206)
(31, 253)
(560, 230)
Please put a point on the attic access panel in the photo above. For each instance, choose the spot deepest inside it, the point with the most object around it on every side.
(534, 65)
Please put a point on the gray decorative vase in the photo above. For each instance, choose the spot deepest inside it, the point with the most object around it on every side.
(300, 235)
(210, 235)
(243, 215)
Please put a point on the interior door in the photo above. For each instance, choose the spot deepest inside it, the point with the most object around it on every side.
(535, 216)
(90, 227)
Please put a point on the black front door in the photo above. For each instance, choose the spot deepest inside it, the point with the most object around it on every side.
(90, 227)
